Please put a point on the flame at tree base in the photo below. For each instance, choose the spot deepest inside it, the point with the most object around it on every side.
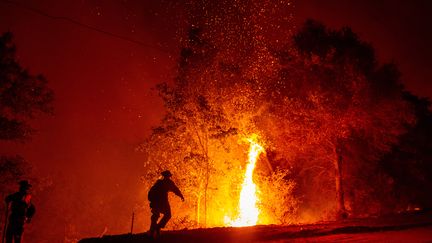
(249, 211)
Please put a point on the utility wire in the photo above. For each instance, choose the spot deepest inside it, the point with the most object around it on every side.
(75, 22)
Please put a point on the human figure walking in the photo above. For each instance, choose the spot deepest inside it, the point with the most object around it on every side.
(22, 211)
(159, 204)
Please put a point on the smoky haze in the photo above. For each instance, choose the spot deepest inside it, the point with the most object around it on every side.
(104, 106)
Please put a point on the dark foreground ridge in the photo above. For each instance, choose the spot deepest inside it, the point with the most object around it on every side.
(270, 233)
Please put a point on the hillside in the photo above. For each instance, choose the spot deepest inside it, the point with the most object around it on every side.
(415, 227)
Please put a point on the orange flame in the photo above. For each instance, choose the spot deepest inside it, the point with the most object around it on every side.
(249, 211)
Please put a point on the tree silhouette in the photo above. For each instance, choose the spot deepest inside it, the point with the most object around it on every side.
(23, 96)
(409, 162)
(349, 95)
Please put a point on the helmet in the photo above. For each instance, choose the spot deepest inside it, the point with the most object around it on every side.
(24, 184)
(166, 173)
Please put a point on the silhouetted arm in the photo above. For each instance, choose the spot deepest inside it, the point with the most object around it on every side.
(176, 191)
(30, 212)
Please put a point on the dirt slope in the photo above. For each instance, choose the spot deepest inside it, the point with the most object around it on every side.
(416, 227)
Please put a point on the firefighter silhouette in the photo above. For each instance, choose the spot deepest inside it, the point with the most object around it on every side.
(159, 204)
(22, 211)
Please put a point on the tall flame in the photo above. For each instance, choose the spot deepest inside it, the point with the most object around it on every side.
(249, 211)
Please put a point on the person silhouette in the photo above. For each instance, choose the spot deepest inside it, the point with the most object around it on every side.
(22, 211)
(159, 204)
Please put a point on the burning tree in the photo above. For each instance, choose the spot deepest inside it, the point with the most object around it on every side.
(203, 131)
(308, 101)
(211, 109)
(331, 93)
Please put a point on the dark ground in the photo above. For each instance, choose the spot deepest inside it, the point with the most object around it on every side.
(413, 227)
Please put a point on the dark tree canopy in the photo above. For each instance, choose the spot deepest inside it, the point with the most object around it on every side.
(11, 168)
(343, 45)
(22, 94)
(410, 163)
(356, 105)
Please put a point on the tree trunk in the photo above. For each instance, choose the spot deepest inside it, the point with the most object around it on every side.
(198, 212)
(341, 211)
(205, 192)
(204, 148)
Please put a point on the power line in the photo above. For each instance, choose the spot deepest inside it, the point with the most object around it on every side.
(75, 22)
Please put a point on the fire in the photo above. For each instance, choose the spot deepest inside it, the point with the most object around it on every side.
(249, 211)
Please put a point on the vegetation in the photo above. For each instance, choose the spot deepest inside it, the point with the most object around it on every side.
(325, 110)
(23, 96)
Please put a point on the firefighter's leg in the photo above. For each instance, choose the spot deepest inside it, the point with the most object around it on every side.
(17, 238)
(9, 234)
(166, 217)
(9, 238)
(17, 232)
(154, 218)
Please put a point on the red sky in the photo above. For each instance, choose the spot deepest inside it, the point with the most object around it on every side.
(399, 30)
(104, 104)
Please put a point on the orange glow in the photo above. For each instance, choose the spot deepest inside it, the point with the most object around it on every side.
(249, 211)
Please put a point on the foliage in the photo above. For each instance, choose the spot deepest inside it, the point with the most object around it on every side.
(409, 164)
(22, 95)
(210, 110)
(12, 168)
(311, 101)
(279, 205)
(340, 95)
